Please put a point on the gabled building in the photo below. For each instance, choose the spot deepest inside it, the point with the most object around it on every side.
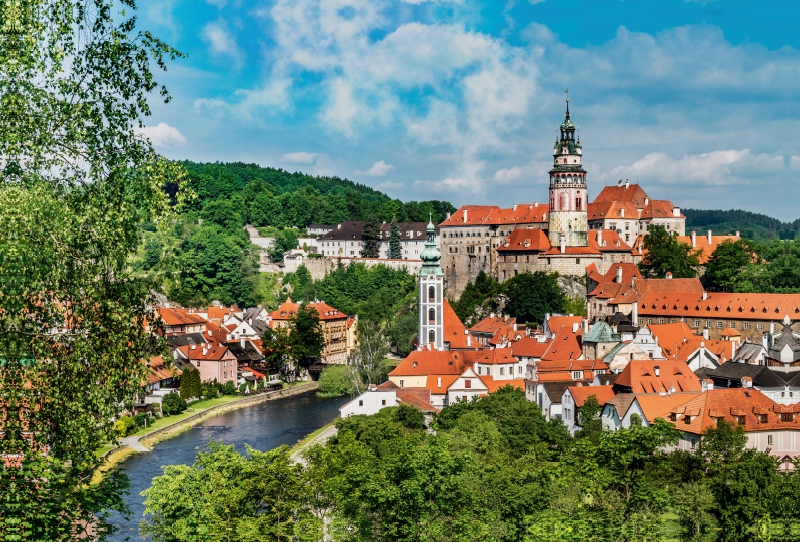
(575, 397)
(178, 321)
(215, 362)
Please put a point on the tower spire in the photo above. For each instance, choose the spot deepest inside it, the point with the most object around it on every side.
(567, 93)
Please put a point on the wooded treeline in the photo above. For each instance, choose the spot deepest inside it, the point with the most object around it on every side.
(750, 225)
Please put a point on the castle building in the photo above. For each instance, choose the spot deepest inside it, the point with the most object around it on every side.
(568, 203)
(431, 294)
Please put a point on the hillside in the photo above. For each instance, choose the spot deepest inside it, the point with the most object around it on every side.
(750, 225)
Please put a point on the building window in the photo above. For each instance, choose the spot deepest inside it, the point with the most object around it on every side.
(708, 323)
(401, 383)
(769, 440)
(467, 383)
(519, 369)
(383, 402)
(360, 402)
(733, 325)
(660, 320)
(502, 371)
(576, 375)
(697, 323)
(431, 293)
(746, 325)
(649, 321)
(719, 324)
(694, 442)
(578, 261)
(431, 336)
(759, 326)
(431, 316)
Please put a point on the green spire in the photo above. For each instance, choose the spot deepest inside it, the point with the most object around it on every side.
(430, 255)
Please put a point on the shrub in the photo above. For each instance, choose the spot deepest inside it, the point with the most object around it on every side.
(130, 424)
(120, 428)
(334, 381)
(210, 391)
(173, 404)
(141, 419)
(229, 388)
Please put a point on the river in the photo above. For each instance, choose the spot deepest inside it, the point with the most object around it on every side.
(263, 426)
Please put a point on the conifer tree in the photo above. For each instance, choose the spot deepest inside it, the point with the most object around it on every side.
(395, 244)
(371, 237)
(190, 383)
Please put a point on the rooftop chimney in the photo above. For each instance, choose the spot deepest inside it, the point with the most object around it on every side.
(563, 242)
(676, 211)
(694, 239)
(205, 350)
(737, 233)
(635, 313)
(622, 211)
(657, 370)
(619, 183)
(705, 295)
(668, 275)
(747, 382)
(585, 325)
(469, 341)
(448, 215)
(705, 333)
(575, 326)
(241, 342)
(228, 337)
(174, 354)
(709, 237)
(707, 384)
(619, 274)
(465, 214)
(627, 183)
(599, 237)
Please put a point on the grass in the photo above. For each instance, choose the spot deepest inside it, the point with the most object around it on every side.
(114, 458)
(195, 408)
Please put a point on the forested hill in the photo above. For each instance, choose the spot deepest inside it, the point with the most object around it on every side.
(266, 196)
(750, 225)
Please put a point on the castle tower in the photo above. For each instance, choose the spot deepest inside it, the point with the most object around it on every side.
(568, 190)
(431, 294)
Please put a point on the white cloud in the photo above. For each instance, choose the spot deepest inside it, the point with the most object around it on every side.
(222, 41)
(163, 136)
(378, 169)
(299, 158)
(391, 185)
(507, 175)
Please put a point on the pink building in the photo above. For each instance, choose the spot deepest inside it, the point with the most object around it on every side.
(215, 362)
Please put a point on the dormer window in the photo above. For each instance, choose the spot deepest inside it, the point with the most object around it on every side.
(576, 375)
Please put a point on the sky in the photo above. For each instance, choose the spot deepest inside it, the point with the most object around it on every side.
(461, 100)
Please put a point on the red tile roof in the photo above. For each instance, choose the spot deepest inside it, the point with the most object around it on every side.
(285, 310)
(632, 193)
(600, 210)
(213, 352)
(434, 362)
(756, 410)
(721, 305)
(660, 406)
(326, 312)
(495, 385)
(660, 208)
(180, 317)
(525, 213)
(640, 377)
(446, 381)
(581, 393)
(456, 332)
(565, 344)
(529, 347)
(571, 251)
(157, 370)
(702, 244)
(525, 240)
(610, 241)
(495, 356)
(671, 337)
(491, 324)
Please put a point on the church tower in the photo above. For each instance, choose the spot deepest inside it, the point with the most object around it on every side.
(431, 294)
(568, 190)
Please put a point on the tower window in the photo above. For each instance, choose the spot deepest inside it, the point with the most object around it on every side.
(431, 293)
(431, 316)
(431, 336)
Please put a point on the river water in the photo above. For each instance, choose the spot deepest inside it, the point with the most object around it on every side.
(263, 426)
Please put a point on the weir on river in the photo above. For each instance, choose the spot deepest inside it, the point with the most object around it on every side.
(263, 426)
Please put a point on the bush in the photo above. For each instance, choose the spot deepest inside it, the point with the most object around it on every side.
(130, 424)
(210, 391)
(334, 381)
(229, 388)
(120, 428)
(141, 419)
(173, 404)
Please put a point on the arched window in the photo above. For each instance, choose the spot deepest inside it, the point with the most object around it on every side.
(431, 293)
(431, 336)
(431, 316)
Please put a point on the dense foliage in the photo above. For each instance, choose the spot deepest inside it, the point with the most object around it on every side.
(526, 297)
(753, 226)
(76, 183)
(748, 266)
(297, 345)
(664, 253)
(496, 470)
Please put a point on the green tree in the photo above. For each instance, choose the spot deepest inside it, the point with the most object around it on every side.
(663, 254)
(335, 381)
(531, 295)
(395, 244)
(190, 383)
(404, 329)
(152, 253)
(371, 238)
(367, 366)
(172, 403)
(589, 419)
(76, 186)
(726, 263)
(478, 299)
(306, 339)
(285, 240)
(228, 497)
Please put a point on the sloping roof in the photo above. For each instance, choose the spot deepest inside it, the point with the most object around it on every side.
(212, 352)
(180, 317)
(455, 332)
(728, 332)
(326, 312)
(610, 241)
(555, 390)
(608, 286)
(659, 406)
(621, 402)
(556, 322)
(639, 376)
(525, 240)
(524, 213)
(217, 313)
(571, 251)
(433, 362)
(631, 193)
(349, 230)
(285, 310)
(565, 345)
(418, 397)
(671, 337)
(528, 347)
(733, 372)
(174, 341)
(581, 393)
(418, 230)
(495, 356)
(660, 208)
(748, 352)
(157, 370)
(600, 210)
(702, 244)
(491, 324)
(447, 380)
(699, 413)
(495, 385)
(601, 332)
(720, 305)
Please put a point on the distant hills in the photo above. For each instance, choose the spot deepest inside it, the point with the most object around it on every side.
(750, 225)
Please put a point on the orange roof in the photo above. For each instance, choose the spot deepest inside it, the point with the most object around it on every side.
(419, 397)
(525, 213)
(721, 305)
(456, 332)
(607, 285)
(570, 365)
(671, 337)
(610, 241)
(213, 352)
(702, 244)
(157, 370)
(581, 393)
(599, 210)
(640, 377)
(495, 385)
(571, 251)
(218, 313)
(723, 350)
(215, 333)
(180, 317)
(286, 310)
(491, 324)
(674, 285)
(556, 322)
(660, 208)
(728, 332)
(659, 406)
(632, 193)
(528, 347)
(506, 333)
(495, 356)
(524, 240)
(434, 362)
(699, 413)
(565, 344)
(559, 376)
(325, 311)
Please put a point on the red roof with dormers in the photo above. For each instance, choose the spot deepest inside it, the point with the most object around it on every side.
(610, 241)
(571, 251)
(525, 240)
(660, 208)
(640, 377)
(702, 244)
(528, 347)
(213, 352)
(326, 312)
(721, 305)
(495, 356)
(180, 317)
(622, 210)
(286, 310)
(523, 213)
(434, 362)
(632, 193)
(565, 345)
(491, 324)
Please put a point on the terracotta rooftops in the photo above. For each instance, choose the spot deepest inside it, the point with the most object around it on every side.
(581, 393)
(434, 362)
(495, 385)
(476, 215)
(286, 310)
(565, 345)
(180, 317)
(157, 370)
(525, 239)
(657, 376)
(612, 209)
(660, 406)
(528, 347)
(491, 324)
(720, 305)
(701, 243)
(632, 193)
(610, 241)
(326, 312)
(660, 208)
(455, 332)
(211, 352)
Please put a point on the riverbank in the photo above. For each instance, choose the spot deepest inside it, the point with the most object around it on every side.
(172, 426)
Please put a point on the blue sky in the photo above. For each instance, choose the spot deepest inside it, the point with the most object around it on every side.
(460, 100)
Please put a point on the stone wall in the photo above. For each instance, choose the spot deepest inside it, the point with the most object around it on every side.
(319, 267)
